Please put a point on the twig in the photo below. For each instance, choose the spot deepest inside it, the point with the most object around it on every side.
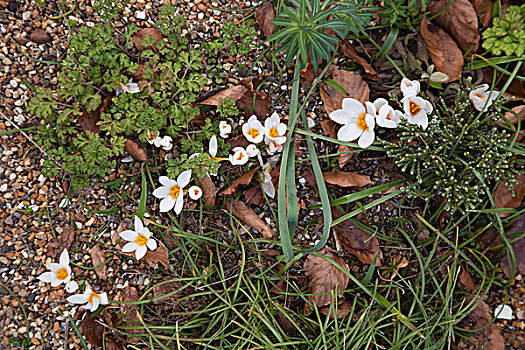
(25, 135)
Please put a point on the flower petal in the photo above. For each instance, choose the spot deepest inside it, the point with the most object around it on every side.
(370, 108)
(129, 247)
(179, 204)
(152, 244)
(128, 235)
(137, 224)
(349, 132)
(140, 252)
(104, 298)
(366, 139)
(184, 178)
(96, 302)
(166, 204)
(64, 258)
(353, 107)
(54, 267)
(380, 102)
(213, 146)
(165, 181)
(71, 287)
(78, 299)
(162, 192)
(145, 232)
(340, 116)
(46, 277)
(55, 281)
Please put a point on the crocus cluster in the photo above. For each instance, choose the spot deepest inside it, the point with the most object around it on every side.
(272, 133)
(165, 142)
(481, 98)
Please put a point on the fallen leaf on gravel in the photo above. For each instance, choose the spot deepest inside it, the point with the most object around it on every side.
(238, 141)
(135, 150)
(91, 330)
(252, 101)
(518, 247)
(484, 10)
(39, 36)
(459, 19)
(343, 308)
(88, 120)
(329, 128)
(466, 280)
(130, 317)
(63, 241)
(97, 257)
(504, 198)
(159, 255)
(324, 278)
(116, 235)
(263, 16)
(487, 338)
(445, 54)
(167, 288)
(353, 84)
(208, 190)
(356, 241)
(234, 92)
(254, 195)
(351, 53)
(243, 212)
(113, 345)
(308, 74)
(141, 34)
(519, 110)
(344, 158)
(346, 179)
(243, 180)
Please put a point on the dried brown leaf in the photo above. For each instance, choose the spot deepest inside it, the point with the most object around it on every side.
(353, 84)
(234, 92)
(459, 19)
(466, 280)
(208, 190)
(135, 150)
(504, 198)
(130, 317)
(39, 36)
(343, 308)
(88, 120)
(351, 53)
(263, 16)
(356, 241)
(511, 117)
(329, 128)
(98, 257)
(243, 212)
(113, 345)
(324, 277)
(489, 337)
(91, 330)
(253, 101)
(344, 158)
(238, 141)
(445, 54)
(63, 241)
(243, 180)
(159, 255)
(141, 34)
(308, 74)
(346, 179)
(166, 288)
(484, 9)
(517, 246)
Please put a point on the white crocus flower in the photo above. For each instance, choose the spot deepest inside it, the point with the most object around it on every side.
(166, 143)
(140, 239)
(252, 150)
(152, 137)
(195, 192)
(387, 117)
(130, 87)
(253, 130)
(158, 142)
(274, 148)
(239, 156)
(224, 129)
(409, 87)
(266, 179)
(358, 122)
(481, 98)
(60, 273)
(90, 298)
(212, 150)
(171, 192)
(71, 287)
(275, 130)
(416, 110)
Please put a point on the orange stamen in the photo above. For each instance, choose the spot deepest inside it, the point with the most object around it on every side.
(414, 108)
(62, 274)
(141, 240)
(361, 122)
(174, 191)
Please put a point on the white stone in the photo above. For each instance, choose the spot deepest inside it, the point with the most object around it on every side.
(503, 312)
(3, 188)
(200, 15)
(141, 15)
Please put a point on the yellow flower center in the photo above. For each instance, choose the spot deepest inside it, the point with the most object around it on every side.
(141, 240)
(174, 191)
(253, 132)
(361, 122)
(91, 296)
(62, 274)
(273, 132)
(414, 108)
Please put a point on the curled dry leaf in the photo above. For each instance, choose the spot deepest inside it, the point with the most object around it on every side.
(135, 150)
(346, 179)
(351, 53)
(159, 255)
(63, 241)
(141, 34)
(238, 141)
(518, 247)
(243, 180)
(208, 190)
(166, 288)
(343, 308)
(324, 278)
(344, 157)
(129, 314)
(308, 74)
(518, 111)
(88, 120)
(243, 212)
(445, 54)
(459, 19)
(466, 280)
(234, 92)
(254, 101)
(356, 241)
(98, 257)
(91, 330)
(504, 198)
(263, 16)
(254, 195)
(484, 9)
(39, 36)
(489, 337)
(353, 84)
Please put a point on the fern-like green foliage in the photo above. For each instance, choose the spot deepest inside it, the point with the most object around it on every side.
(507, 33)
(447, 155)
(303, 25)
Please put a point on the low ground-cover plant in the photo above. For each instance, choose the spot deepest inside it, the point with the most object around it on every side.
(507, 33)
